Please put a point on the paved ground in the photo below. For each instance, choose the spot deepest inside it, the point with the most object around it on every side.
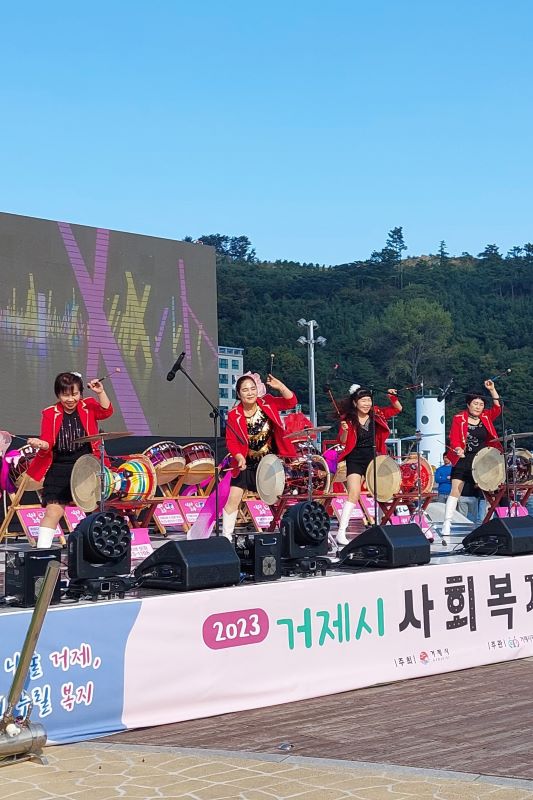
(106, 771)
(463, 735)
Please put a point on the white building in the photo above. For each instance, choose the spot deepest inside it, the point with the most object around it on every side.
(230, 367)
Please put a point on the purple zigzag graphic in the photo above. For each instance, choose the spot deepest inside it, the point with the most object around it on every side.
(100, 338)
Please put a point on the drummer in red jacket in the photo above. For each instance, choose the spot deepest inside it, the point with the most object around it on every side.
(254, 429)
(61, 425)
(356, 435)
(471, 430)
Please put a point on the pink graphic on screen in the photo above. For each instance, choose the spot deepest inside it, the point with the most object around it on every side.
(103, 343)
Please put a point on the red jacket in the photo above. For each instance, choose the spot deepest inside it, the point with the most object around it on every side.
(459, 430)
(90, 412)
(271, 406)
(381, 415)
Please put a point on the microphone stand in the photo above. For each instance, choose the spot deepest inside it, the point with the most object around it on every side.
(505, 439)
(377, 514)
(214, 414)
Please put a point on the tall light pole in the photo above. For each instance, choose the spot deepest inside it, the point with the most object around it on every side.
(310, 341)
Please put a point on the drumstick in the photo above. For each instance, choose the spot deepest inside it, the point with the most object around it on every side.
(272, 356)
(117, 369)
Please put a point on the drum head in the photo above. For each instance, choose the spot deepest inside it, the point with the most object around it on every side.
(488, 469)
(409, 470)
(85, 483)
(270, 479)
(389, 478)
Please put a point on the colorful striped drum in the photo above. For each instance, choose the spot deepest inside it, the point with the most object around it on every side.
(131, 480)
(138, 480)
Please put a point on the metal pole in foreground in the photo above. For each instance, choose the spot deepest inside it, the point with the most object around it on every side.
(21, 737)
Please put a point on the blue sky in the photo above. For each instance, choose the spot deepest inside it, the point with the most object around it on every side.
(313, 128)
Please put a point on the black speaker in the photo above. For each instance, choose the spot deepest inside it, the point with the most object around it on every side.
(25, 569)
(260, 555)
(502, 536)
(195, 564)
(387, 546)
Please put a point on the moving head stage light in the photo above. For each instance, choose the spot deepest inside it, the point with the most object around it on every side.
(99, 552)
(304, 538)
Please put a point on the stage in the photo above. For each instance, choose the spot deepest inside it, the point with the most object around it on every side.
(156, 658)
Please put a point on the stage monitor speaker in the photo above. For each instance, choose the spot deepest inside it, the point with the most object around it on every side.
(25, 570)
(502, 536)
(387, 546)
(188, 565)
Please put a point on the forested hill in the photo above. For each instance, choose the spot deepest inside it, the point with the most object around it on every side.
(389, 321)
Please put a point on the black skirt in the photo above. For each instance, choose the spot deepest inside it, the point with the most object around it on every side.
(462, 470)
(56, 486)
(247, 479)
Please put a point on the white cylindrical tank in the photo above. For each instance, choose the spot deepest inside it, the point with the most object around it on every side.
(430, 420)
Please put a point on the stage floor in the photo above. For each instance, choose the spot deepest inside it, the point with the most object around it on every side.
(439, 555)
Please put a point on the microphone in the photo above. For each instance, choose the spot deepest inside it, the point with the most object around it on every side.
(444, 392)
(177, 365)
(501, 375)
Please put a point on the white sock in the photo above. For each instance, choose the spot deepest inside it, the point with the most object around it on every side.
(451, 505)
(228, 523)
(345, 520)
(45, 537)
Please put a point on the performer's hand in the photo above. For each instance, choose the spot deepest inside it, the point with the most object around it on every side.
(96, 386)
(39, 444)
(241, 461)
(489, 385)
(393, 391)
(460, 452)
(344, 425)
(274, 383)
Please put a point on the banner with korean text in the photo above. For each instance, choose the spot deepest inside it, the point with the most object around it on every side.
(112, 665)
(260, 645)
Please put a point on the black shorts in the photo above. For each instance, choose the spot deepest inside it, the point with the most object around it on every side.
(357, 462)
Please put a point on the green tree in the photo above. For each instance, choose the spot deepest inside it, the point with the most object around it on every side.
(411, 338)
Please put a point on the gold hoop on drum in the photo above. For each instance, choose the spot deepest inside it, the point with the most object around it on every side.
(389, 478)
(488, 469)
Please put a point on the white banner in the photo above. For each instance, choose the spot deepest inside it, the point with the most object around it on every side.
(199, 654)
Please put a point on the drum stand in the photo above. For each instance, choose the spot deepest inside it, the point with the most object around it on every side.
(417, 515)
(101, 450)
(511, 467)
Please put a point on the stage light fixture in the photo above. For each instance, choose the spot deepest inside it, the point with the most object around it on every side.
(99, 547)
(304, 531)
(260, 555)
